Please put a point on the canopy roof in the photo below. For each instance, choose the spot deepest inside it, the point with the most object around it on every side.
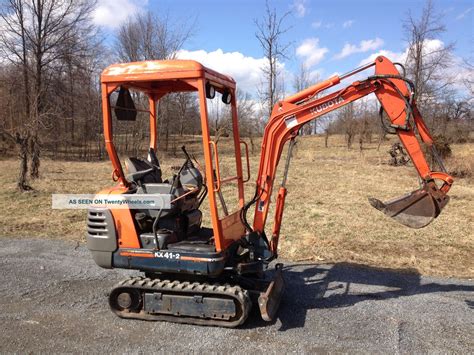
(163, 70)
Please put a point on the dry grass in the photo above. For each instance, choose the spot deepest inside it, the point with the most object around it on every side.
(330, 218)
(327, 216)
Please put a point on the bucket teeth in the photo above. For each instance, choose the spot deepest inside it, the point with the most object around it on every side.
(415, 210)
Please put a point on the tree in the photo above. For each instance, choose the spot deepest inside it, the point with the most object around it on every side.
(33, 39)
(147, 36)
(269, 34)
(468, 79)
(304, 79)
(349, 123)
(427, 55)
(301, 82)
(246, 112)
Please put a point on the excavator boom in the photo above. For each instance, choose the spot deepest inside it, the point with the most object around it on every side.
(395, 94)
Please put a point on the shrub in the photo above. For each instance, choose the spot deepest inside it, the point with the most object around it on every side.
(461, 168)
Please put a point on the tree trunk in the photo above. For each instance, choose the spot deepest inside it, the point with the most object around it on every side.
(349, 139)
(23, 146)
(35, 157)
(381, 138)
(252, 144)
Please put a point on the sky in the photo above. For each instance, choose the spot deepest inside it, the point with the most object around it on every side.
(327, 36)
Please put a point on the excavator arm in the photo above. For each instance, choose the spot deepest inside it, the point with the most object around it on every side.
(416, 209)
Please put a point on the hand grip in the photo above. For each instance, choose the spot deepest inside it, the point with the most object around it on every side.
(247, 158)
(216, 161)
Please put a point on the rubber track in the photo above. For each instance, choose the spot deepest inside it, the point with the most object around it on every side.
(143, 284)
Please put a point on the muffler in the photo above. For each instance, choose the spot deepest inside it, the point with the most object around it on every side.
(416, 209)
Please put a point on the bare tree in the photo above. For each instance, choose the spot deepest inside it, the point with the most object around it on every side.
(247, 118)
(34, 36)
(301, 82)
(366, 121)
(186, 107)
(270, 31)
(302, 78)
(349, 123)
(468, 80)
(13, 46)
(327, 133)
(127, 46)
(427, 56)
(220, 118)
(147, 36)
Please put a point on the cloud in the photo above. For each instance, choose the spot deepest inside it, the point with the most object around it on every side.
(348, 23)
(310, 50)
(316, 75)
(246, 71)
(463, 78)
(364, 46)
(430, 46)
(457, 73)
(321, 24)
(112, 13)
(399, 57)
(464, 13)
(300, 7)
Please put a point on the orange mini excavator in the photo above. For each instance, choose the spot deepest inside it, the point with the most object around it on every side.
(212, 275)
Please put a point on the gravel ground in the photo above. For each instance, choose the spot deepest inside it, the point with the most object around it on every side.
(53, 299)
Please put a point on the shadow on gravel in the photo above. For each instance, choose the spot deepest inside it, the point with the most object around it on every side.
(311, 286)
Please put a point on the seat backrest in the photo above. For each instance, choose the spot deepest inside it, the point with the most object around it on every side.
(136, 164)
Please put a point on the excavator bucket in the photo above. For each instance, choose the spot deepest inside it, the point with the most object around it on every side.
(415, 210)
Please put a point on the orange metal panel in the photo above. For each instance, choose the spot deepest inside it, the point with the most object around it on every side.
(312, 90)
(206, 143)
(280, 205)
(394, 106)
(123, 220)
(152, 104)
(163, 70)
(238, 157)
(108, 135)
(141, 255)
(232, 228)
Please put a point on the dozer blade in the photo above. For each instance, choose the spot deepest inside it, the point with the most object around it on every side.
(415, 210)
(269, 301)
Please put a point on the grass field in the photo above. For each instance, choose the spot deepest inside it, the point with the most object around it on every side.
(327, 216)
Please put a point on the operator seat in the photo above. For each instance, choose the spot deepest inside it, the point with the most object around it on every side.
(146, 174)
(182, 217)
